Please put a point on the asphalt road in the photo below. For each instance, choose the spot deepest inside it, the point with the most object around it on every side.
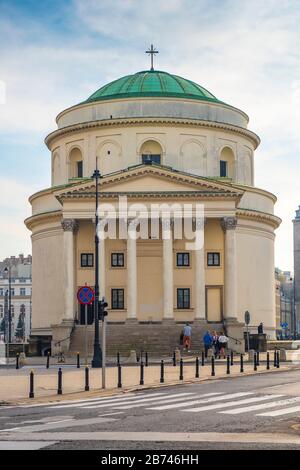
(254, 412)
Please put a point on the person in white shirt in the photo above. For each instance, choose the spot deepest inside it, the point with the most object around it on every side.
(223, 340)
(187, 333)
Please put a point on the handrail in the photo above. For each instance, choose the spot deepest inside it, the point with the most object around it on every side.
(237, 341)
(64, 339)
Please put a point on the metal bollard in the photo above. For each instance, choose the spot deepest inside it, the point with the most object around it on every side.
(142, 373)
(146, 359)
(275, 358)
(119, 376)
(231, 358)
(202, 358)
(257, 358)
(118, 358)
(31, 384)
(278, 360)
(197, 368)
(255, 361)
(228, 365)
(78, 361)
(181, 370)
(213, 366)
(174, 359)
(48, 360)
(17, 360)
(242, 363)
(59, 386)
(87, 385)
(162, 370)
(268, 361)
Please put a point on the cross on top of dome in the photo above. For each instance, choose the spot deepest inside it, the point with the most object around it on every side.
(152, 52)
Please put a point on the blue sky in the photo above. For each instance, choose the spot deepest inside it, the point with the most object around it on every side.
(54, 54)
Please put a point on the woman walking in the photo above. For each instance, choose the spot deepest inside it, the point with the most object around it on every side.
(215, 343)
(223, 340)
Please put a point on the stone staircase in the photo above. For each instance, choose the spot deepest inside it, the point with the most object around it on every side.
(158, 339)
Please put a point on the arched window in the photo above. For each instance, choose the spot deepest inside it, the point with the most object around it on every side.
(151, 152)
(227, 163)
(76, 164)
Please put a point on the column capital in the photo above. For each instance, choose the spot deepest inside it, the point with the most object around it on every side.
(199, 222)
(228, 223)
(166, 223)
(69, 225)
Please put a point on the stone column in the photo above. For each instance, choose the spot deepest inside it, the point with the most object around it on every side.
(131, 271)
(70, 227)
(168, 307)
(199, 279)
(229, 226)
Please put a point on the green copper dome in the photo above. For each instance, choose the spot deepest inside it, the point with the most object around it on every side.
(152, 83)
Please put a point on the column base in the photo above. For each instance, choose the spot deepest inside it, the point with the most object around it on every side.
(235, 333)
(132, 321)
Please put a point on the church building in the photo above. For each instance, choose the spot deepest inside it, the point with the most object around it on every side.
(158, 138)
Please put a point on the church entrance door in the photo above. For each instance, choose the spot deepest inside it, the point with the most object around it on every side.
(90, 314)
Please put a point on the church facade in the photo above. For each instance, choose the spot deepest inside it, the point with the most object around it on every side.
(164, 140)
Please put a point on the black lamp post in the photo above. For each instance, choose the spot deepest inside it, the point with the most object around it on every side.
(97, 358)
(7, 271)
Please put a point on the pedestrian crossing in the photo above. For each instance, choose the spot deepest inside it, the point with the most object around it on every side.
(237, 403)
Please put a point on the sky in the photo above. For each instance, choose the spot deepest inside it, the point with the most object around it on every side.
(54, 54)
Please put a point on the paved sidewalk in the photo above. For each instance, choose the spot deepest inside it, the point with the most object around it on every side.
(14, 384)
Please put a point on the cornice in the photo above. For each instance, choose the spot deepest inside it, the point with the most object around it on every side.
(30, 222)
(153, 121)
(259, 216)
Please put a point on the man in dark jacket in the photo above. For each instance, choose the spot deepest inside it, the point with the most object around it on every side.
(207, 340)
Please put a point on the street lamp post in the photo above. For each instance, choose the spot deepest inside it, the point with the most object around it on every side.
(8, 336)
(97, 358)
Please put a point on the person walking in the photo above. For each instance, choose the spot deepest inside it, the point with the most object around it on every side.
(260, 328)
(187, 334)
(208, 341)
(215, 343)
(223, 340)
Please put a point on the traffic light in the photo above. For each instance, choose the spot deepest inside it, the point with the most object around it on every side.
(102, 312)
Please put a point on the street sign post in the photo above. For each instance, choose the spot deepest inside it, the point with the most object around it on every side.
(85, 296)
(247, 321)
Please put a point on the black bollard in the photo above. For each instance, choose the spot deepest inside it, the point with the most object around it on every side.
(142, 374)
(17, 360)
(202, 358)
(278, 360)
(78, 361)
(162, 370)
(197, 368)
(268, 361)
(242, 363)
(255, 361)
(87, 385)
(275, 358)
(48, 360)
(213, 366)
(118, 358)
(231, 358)
(174, 359)
(59, 386)
(31, 384)
(257, 358)
(119, 376)
(228, 365)
(146, 359)
(181, 370)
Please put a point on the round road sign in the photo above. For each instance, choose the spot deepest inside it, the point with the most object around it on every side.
(85, 295)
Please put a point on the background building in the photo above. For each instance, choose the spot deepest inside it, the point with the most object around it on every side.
(21, 287)
(159, 138)
(285, 312)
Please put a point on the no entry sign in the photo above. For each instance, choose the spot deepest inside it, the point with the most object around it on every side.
(85, 295)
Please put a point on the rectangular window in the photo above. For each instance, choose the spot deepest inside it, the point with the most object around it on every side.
(12, 291)
(22, 291)
(183, 259)
(183, 298)
(87, 260)
(1, 292)
(223, 168)
(151, 158)
(117, 260)
(213, 259)
(117, 299)
(80, 169)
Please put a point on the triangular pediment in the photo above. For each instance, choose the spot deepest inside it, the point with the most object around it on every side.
(151, 180)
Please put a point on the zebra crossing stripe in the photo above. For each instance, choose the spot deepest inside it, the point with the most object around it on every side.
(231, 403)
(162, 400)
(261, 406)
(286, 411)
(205, 400)
(133, 403)
(96, 402)
(63, 402)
